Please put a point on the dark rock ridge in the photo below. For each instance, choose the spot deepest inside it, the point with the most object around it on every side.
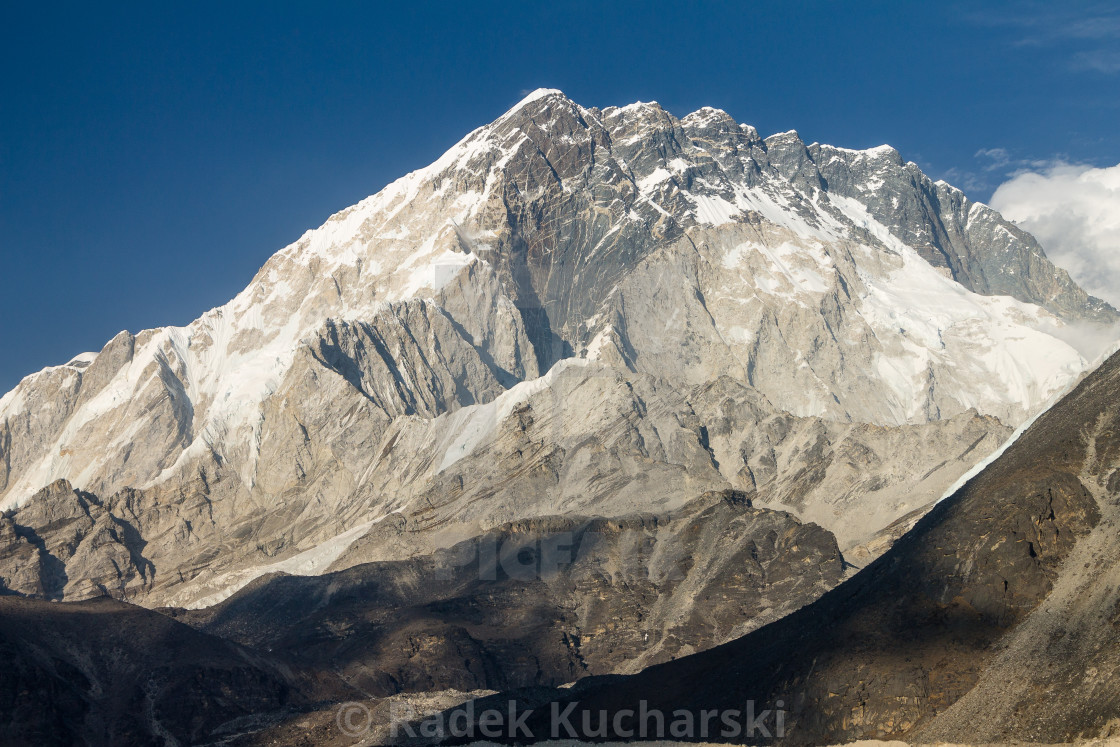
(542, 601)
(538, 602)
(992, 620)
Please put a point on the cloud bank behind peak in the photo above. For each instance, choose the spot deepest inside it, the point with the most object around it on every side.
(1074, 212)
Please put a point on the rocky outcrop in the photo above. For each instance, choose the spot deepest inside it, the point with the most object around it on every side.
(587, 439)
(66, 544)
(973, 243)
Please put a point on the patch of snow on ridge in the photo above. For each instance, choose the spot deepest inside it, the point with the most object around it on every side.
(56, 460)
(969, 338)
(82, 359)
(794, 271)
(540, 93)
(1055, 398)
(312, 562)
(657, 176)
(436, 272)
(876, 151)
(856, 212)
(470, 427)
(713, 209)
(15, 395)
(679, 165)
(800, 264)
(595, 348)
(777, 210)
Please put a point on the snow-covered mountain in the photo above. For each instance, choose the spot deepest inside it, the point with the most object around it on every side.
(572, 310)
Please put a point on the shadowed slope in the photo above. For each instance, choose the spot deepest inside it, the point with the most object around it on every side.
(543, 601)
(884, 654)
(103, 672)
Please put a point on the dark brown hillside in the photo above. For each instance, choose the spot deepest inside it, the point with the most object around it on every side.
(883, 655)
(104, 672)
(542, 601)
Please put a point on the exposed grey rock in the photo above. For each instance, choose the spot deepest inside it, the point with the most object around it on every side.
(573, 310)
(66, 544)
(583, 318)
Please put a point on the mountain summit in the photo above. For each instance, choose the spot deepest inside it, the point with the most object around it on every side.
(572, 310)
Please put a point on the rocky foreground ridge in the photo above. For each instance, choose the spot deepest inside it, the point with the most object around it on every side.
(993, 621)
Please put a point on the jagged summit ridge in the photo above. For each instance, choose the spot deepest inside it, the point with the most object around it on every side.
(573, 309)
(567, 211)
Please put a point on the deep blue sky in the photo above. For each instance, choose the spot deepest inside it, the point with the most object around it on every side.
(152, 157)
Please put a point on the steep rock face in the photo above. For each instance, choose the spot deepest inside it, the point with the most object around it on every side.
(532, 325)
(586, 439)
(992, 620)
(558, 219)
(67, 544)
(845, 476)
(969, 240)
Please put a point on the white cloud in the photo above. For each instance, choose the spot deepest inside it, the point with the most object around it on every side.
(1101, 60)
(1085, 33)
(1074, 212)
(999, 156)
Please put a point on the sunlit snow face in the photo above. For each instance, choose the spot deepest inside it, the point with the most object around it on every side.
(774, 248)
